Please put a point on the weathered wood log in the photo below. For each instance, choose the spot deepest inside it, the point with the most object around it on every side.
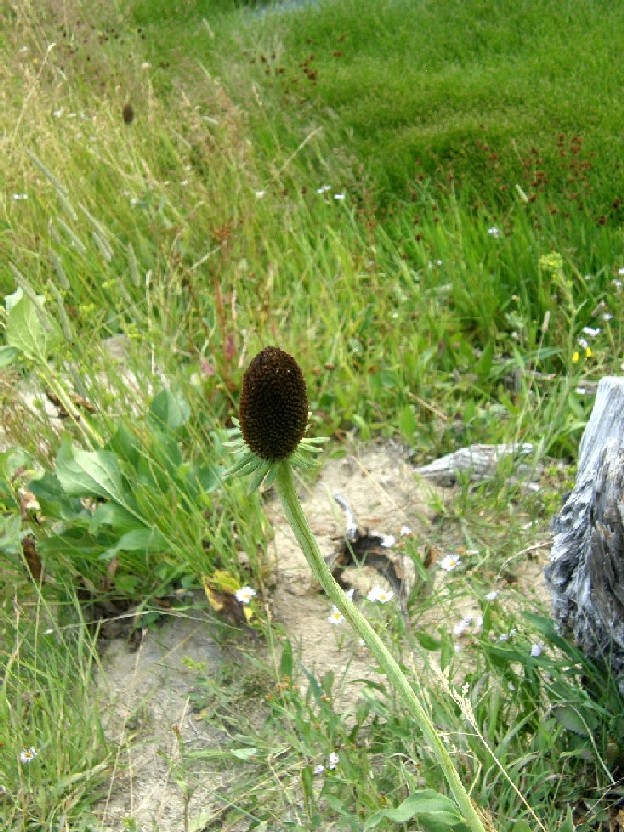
(585, 574)
(477, 462)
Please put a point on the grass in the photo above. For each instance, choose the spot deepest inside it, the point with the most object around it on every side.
(427, 214)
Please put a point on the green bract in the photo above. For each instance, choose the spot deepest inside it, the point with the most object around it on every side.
(264, 470)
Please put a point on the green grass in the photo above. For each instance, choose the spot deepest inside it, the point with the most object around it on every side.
(439, 303)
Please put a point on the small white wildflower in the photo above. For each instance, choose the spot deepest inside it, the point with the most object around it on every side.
(146, 65)
(245, 594)
(607, 316)
(591, 331)
(387, 540)
(335, 616)
(617, 284)
(340, 197)
(581, 391)
(492, 596)
(589, 277)
(18, 197)
(350, 593)
(460, 628)
(583, 343)
(621, 271)
(513, 632)
(457, 648)
(494, 231)
(503, 637)
(478, 624)
(260, 194)
(361, 642)
(536, 649)
(405, 530)
(334, 759)
(27, 755)
(465, 689)
(319, 769)
(184, 183)
(58, 113)
(134, 201)
(323, 189)
(450, 562)
(380, 594)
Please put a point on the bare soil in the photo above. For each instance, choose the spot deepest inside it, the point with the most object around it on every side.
(145, 694)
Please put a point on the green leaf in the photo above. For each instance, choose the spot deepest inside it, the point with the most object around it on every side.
(89, 473)
(286, 662)
(7, 355)
(52, 499)
(427, 641)
(10, 533)
(126, 445)
(407, 421)
(114, 516)
(435, 813)
(168, 410)
(142, 540)
(571, 720)
(568, 824)
(27, 329)
(244, 753)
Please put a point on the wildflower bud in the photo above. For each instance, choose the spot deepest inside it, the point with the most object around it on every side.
(127, 113)
(273, 408)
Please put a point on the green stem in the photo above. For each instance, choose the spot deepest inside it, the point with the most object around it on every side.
(305, 538)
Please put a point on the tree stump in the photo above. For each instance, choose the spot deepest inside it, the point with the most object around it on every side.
(585, 574)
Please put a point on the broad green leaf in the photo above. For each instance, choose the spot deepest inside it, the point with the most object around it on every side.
(115, 517)
(52, 498)
(142, 540)
(28, 330)
(169, 410)
(89, 473)
(10, 533)
(7, 356)
(435, 813)
(126, 445)
(571, 720)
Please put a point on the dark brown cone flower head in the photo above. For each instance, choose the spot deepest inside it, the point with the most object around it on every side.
(273, 409)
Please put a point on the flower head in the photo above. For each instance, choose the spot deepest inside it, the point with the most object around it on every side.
(450, 562)
(245, 594)
(27, 755)
(273, 408)
(380, 594)
(273, 415)
(335, 617)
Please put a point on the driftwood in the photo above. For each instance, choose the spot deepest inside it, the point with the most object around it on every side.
(477, 462)
(585, 574)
